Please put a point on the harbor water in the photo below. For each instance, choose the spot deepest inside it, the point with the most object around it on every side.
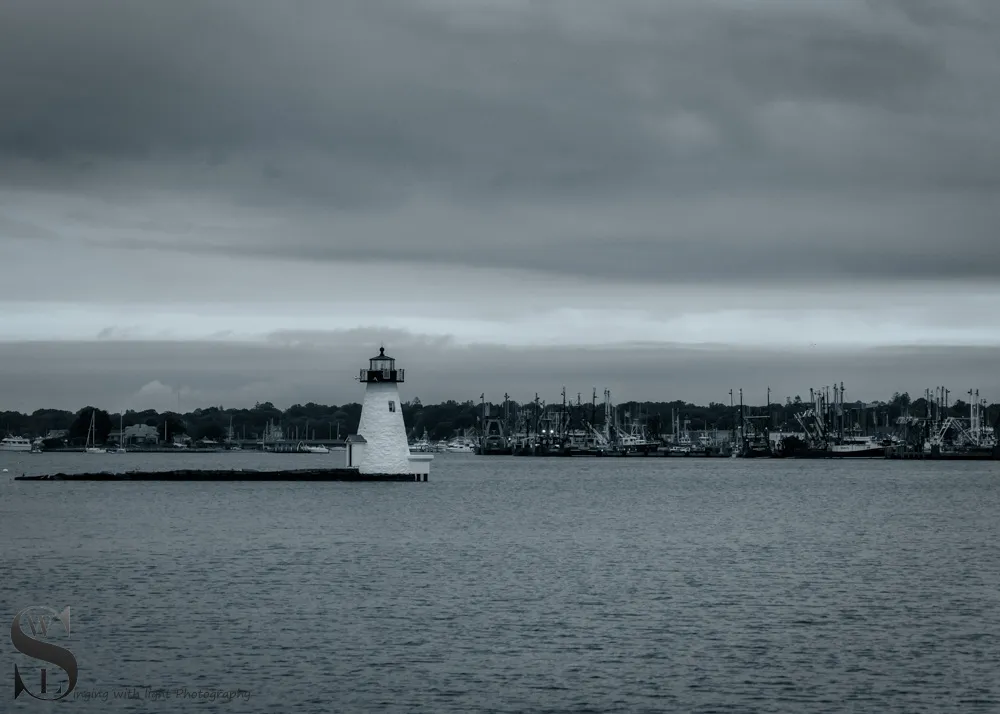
(514, 585)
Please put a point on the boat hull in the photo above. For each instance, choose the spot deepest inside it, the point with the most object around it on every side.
(875, 452)
(868, 453)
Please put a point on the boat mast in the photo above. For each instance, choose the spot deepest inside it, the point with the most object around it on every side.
(743, 432)
(732, 407)
(538, 415)
(562, 415)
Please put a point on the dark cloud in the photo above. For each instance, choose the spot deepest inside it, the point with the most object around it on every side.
(322, 367)
(687, 140)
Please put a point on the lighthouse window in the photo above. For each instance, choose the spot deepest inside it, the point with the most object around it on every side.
(392, 406)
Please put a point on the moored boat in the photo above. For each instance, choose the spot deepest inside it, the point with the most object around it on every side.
(15, 443)
(306, 448)
(460, 447)
(868, 447)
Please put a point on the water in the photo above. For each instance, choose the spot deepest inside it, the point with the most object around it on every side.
(519, 585)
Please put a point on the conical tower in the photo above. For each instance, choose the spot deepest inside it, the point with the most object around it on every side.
(385, 449)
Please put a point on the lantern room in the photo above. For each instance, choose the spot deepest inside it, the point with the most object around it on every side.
(381, 368)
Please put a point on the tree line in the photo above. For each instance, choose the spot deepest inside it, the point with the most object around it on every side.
(440, 421)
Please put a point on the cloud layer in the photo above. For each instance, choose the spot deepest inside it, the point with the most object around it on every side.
(322, 367)
(797, 180)
(688, 141)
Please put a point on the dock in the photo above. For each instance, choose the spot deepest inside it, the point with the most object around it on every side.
(244, 475)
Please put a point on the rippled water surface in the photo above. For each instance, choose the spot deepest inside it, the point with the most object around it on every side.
(516, 585)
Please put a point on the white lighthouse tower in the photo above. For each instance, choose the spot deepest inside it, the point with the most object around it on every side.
(382, 448)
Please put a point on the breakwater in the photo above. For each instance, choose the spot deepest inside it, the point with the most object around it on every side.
(341, 474)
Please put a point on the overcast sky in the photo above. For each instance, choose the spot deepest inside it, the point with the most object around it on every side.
(237, 201)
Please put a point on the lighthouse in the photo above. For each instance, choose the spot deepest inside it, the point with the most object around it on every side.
(380, 447)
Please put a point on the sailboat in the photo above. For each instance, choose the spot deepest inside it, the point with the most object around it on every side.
(91, 446)
(121, 435)
(229, 438)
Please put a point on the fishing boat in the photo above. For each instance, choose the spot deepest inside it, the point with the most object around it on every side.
(867, 447)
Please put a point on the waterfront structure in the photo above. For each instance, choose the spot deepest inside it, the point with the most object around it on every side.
(138, 434)
(381, 447)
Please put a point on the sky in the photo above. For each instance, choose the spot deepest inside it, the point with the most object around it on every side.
(208, 202)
